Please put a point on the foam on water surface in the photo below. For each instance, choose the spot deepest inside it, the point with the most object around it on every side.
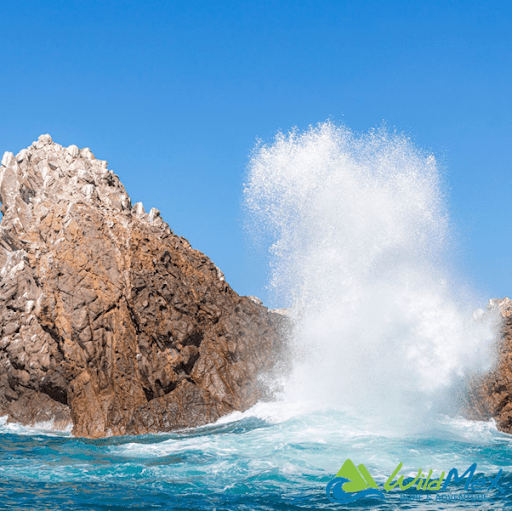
(248, 462)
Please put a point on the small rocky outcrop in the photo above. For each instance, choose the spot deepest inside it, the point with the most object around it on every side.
(496, 390)
(108, 320)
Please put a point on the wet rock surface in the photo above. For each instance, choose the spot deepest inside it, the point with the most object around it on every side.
(109, 321)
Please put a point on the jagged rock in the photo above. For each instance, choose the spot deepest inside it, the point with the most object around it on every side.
(496, 389)
(108, 320)
(139, 208)
(7, 158)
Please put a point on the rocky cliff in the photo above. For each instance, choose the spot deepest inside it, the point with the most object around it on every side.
(109, 321)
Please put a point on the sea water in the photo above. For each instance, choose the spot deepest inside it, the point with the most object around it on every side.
(383, 343)
(270, 457)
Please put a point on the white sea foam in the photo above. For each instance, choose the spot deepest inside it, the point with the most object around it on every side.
(46, 428)
(272, 413)
(360, 239)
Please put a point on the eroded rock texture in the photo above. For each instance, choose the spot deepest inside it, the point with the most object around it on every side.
(497, 387)
(108, 320)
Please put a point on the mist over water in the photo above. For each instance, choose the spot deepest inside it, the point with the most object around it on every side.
(360, 243)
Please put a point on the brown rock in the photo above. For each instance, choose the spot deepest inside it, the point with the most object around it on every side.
(109, 320)
(496, 388)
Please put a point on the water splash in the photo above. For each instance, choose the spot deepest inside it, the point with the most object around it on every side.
(360, 239)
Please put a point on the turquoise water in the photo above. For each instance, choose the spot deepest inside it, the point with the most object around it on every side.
(272, 457)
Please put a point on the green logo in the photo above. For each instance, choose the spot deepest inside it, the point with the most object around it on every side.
(358, 478)
(352, 483)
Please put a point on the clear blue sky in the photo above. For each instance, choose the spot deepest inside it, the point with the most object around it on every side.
(174, 95)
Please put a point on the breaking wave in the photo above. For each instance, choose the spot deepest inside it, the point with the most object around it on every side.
(360, 244)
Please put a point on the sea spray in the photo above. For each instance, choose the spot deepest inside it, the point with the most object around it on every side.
(360, 239)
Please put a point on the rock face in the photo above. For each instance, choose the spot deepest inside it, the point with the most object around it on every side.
(497, 387)
(108, 320)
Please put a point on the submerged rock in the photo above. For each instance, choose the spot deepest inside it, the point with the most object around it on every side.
(109, 321)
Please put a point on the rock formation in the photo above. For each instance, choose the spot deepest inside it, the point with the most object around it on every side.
(496, 390)
(109, 321)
